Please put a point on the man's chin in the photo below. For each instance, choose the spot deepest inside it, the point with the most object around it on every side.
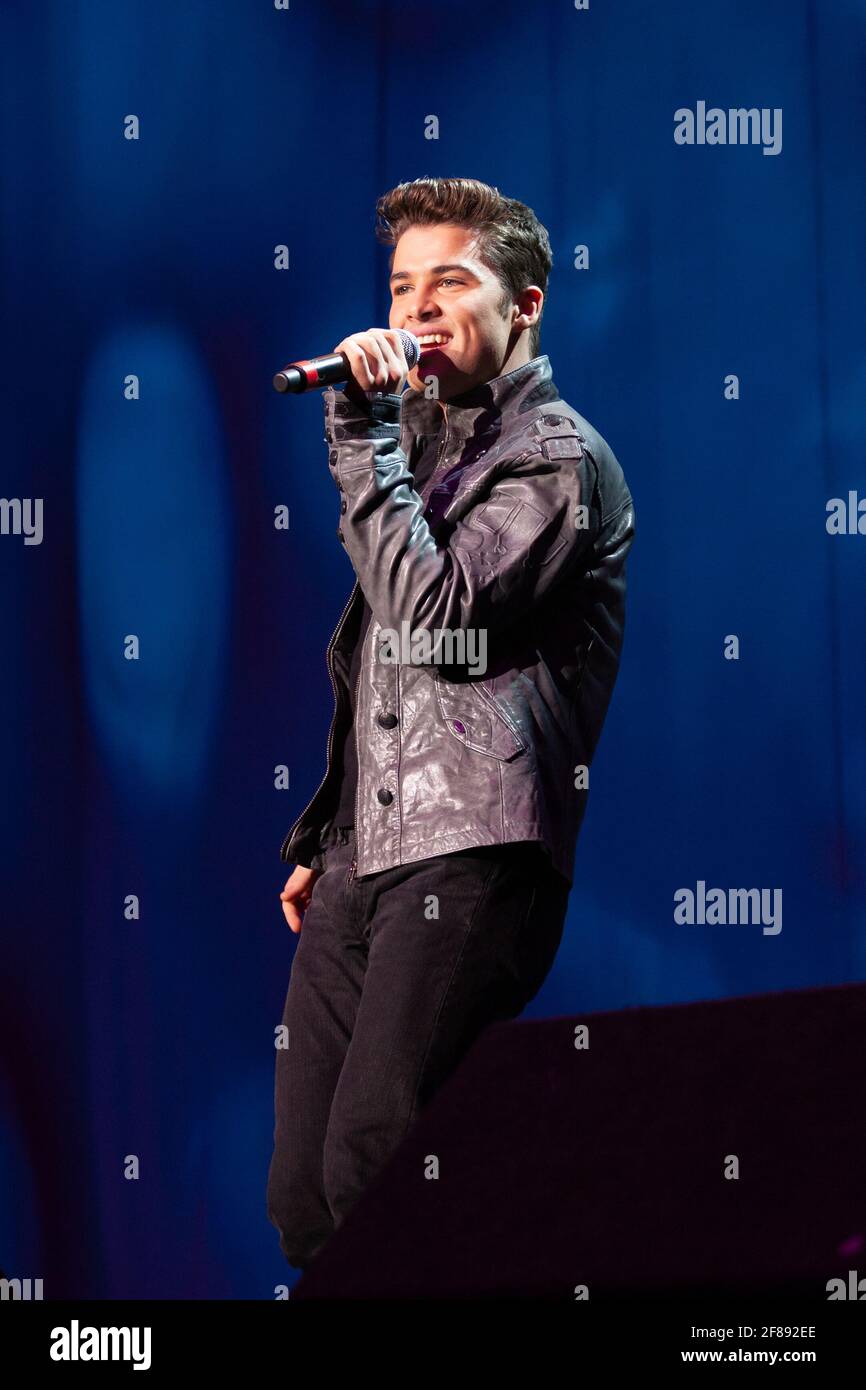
(435, 364)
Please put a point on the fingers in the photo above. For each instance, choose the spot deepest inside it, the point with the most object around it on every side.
(367, 362)
(360, 365)
(292, 916)
(392, 349)
(376, 359)
(295, 900)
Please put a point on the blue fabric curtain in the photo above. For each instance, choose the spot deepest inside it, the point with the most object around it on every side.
(715, 338)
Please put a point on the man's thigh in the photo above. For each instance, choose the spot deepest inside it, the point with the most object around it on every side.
(319, 1014)
(327, 978)
(456, 942)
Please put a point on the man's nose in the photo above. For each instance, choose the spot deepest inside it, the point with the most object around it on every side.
(425, 307)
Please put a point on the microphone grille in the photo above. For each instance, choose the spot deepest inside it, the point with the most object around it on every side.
(411, 347)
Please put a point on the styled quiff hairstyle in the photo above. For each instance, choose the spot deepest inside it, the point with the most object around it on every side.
(510, 240)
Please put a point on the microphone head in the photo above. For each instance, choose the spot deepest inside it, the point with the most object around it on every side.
(411, 347)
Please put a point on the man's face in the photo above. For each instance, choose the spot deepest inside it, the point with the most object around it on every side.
(438, 284)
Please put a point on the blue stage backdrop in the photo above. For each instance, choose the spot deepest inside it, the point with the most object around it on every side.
(164, 638)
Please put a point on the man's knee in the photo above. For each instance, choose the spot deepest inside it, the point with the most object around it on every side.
(298, 1242)
(281, 1217)
(357, 1147)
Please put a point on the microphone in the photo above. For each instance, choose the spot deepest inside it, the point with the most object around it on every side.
(309, 372)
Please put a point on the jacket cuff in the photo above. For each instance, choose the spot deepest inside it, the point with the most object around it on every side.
(347, 417)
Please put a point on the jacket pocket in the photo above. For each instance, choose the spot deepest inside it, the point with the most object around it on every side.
(473, 717)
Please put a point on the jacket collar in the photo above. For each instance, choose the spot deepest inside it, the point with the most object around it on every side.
(481, 409)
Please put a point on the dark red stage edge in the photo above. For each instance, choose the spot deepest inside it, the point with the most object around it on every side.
(604, 1167)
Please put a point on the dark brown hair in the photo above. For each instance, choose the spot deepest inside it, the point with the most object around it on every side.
(510, 239)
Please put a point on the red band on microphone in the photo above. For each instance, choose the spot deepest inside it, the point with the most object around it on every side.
(303, 365)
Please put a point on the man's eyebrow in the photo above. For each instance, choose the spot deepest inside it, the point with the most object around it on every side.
(435, 270)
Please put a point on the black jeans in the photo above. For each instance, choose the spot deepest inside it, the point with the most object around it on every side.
(394, 977)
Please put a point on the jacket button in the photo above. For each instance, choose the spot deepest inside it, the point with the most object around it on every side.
(343, 504)
(385, 796)
(461, 728)
(388, 721)
(339, 533)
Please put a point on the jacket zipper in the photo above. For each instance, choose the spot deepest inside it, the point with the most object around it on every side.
(443, 449)
(328, 660)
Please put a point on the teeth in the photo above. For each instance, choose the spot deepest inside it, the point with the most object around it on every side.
(433, 338)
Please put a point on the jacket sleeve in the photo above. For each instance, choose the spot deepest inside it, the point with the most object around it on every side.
(502, 556)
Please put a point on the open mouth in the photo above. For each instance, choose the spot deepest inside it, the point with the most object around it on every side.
(430, 342)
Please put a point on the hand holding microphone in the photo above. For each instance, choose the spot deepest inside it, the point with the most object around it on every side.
(378, 360)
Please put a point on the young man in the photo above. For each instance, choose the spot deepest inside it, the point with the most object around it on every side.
(488, 525)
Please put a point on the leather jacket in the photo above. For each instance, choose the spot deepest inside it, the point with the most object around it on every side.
(521, 531)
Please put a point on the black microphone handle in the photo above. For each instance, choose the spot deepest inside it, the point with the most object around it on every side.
(309, 372)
